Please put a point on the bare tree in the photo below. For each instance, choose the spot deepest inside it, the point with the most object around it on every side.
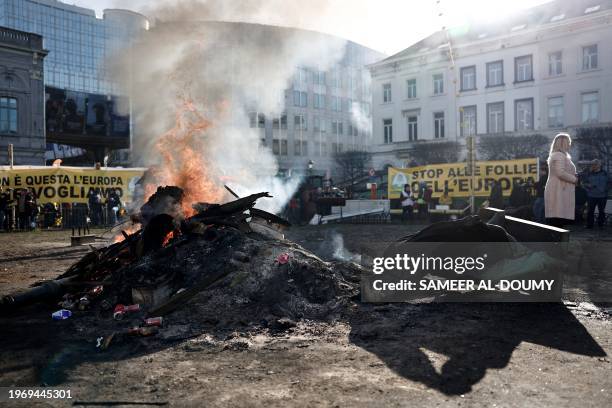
(353, 164)
(596, 142)
(504, 147)
(435, 152)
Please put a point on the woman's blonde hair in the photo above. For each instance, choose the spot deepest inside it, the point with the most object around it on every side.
(561, 143)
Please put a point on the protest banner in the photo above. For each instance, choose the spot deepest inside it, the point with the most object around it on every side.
(70, 184)
(456, 178)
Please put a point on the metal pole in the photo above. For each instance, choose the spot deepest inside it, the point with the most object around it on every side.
(10, 155)
(471, 165)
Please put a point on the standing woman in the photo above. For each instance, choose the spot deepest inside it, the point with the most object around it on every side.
(559, 193)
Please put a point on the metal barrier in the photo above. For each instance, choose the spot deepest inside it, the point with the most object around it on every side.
(78, 217)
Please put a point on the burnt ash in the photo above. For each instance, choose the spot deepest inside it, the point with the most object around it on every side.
(256, 285)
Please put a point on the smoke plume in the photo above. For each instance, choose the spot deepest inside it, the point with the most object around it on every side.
(341, 252)
(192, 81)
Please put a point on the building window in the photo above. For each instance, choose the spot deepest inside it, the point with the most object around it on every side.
(555, 112)
(300, 148)
(438, 84)
(412, 89)
(555, 63)
(590, 107)
(523, 69)
(589, 57)
(316, 124)
(439, 125)
(348, 104)
(495, 117)
(319, 77)
(297, 147)
(386, 93)
(261, 120)
(280, 122)
(336, 103)
(336, 79)
(301, 76)
(495, 73)
(388, 130)
(319, 101)
(413, 128)
(468, 78)
(299, 122)
(523, 109)
(300, 99)
(468, 121)
(279, 147)
(337, 128)
(8, 115)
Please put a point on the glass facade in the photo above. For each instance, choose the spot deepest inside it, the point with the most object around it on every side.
(78, 42)
(331, 109)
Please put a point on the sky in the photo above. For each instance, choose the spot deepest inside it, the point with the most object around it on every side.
(388, 26)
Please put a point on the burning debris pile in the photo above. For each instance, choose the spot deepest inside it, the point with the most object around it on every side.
(226, 264)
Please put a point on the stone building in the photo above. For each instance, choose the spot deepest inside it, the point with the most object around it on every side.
(22, 97)
(543, 71)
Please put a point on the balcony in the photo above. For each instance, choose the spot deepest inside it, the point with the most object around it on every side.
(20, 39)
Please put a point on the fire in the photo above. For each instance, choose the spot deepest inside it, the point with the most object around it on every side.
(169, 237)
(129, 229)
(182, 160)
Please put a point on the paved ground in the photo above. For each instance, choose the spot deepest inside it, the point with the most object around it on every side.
(504, 355)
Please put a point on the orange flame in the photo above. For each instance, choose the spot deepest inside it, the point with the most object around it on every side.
(183, 165)
(129, 229)
(169, 237)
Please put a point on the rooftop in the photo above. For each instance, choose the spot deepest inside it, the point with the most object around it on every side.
(553, 12)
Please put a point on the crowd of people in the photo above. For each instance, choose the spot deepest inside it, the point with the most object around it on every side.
(560, 197)
(18, 209)
(419, 199)
(21, 211)
(567, 193)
